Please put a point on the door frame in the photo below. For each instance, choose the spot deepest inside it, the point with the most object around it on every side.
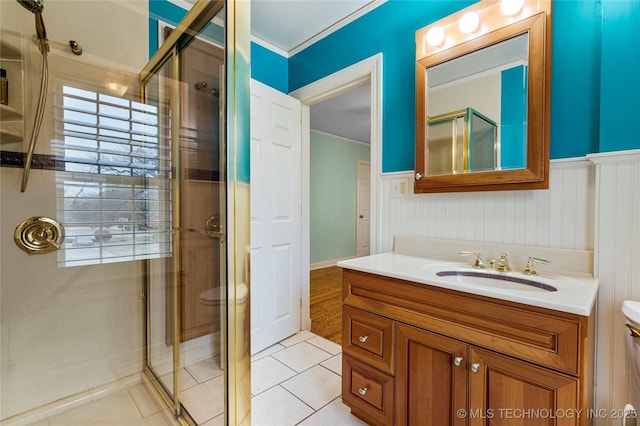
(367, 71)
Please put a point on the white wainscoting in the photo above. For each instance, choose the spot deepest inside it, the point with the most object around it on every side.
(592, 204)
(617, 262)
(562, 217)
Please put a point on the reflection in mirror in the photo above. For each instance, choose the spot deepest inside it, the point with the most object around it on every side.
(483, 99)
(477, 110)
(461, 142)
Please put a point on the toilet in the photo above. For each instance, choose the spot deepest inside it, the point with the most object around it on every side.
(216, 297)
(631, 311)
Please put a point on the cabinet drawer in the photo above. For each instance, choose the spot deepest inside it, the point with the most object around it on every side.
(367, 391)
(368, 337)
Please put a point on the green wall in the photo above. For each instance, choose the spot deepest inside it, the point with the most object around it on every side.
(333, 196)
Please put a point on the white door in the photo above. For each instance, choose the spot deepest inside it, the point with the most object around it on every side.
(275, 216)
(363, 203)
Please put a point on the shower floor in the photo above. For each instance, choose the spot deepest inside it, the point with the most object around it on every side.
(301, 373)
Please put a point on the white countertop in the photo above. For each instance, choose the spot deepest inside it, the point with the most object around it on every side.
(575, 293)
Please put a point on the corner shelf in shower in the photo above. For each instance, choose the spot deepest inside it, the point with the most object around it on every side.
(8, 113)
(9, 52)
(11, 116)
(8, 136)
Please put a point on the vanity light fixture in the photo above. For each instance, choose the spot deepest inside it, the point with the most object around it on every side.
(435, 36)
(469, 22)
(511, 7)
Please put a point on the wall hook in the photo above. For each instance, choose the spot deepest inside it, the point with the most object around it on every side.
(75, 47)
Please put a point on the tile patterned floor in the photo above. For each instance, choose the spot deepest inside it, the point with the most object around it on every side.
(295, 382)
(301, 373)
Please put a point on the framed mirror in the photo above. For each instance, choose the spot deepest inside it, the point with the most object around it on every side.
(482, 98)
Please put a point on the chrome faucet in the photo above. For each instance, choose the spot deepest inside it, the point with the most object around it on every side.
(478, 264)
(502, 264)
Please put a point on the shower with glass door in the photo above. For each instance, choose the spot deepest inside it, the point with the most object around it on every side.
(119, 261)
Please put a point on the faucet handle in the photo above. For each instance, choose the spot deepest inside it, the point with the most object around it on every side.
(529, 269)
(479, 264)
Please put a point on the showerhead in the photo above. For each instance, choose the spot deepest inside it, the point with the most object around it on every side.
(36, 6)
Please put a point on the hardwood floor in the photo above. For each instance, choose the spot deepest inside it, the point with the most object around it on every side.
(326, 303)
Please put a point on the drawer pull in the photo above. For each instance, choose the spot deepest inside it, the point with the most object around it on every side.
(457, 361)
(363, 339)
(363, 391)
(475, 367)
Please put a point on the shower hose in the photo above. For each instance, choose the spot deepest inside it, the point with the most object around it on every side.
(42, 98)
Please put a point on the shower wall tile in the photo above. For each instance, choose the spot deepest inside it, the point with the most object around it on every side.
(63, 330)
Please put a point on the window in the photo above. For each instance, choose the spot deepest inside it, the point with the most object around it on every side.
(114, 190)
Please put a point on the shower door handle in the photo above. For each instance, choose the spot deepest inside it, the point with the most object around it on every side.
(211, 234)
(213, 227)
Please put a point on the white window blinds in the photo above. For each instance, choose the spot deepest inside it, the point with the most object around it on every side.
(114, 189)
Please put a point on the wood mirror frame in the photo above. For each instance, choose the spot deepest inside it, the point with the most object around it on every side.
(535, 19)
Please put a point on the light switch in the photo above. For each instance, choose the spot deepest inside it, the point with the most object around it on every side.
(400, 187)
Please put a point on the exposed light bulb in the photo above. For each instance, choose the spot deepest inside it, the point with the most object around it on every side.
(435, 36)
(511, 7)
(469, 22)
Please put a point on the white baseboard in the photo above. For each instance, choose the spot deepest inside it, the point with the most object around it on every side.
(327, 263)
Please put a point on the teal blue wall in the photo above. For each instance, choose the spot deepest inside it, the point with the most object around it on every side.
(162, 10)
(593, 41)
(390, 29)
(575, 77)
(513, 118)
(594, 84)
(269, 68)
(620, 89)
(333, 175)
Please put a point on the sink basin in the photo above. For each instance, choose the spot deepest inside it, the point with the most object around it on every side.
(570, 292)
(496, 280)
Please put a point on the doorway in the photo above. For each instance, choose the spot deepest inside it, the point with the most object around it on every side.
(339, 192)
(364, 73)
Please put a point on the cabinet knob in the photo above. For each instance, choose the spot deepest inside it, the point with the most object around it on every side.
(363, 391)
(457, 361)
(363, 339)
(475, 367)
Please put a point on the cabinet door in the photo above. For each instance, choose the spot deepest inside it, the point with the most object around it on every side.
(506, 391)
(431, 378)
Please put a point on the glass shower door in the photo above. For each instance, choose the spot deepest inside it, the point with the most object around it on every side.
(186, 291)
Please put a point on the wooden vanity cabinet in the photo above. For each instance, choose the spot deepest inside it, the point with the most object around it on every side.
(452, 358)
